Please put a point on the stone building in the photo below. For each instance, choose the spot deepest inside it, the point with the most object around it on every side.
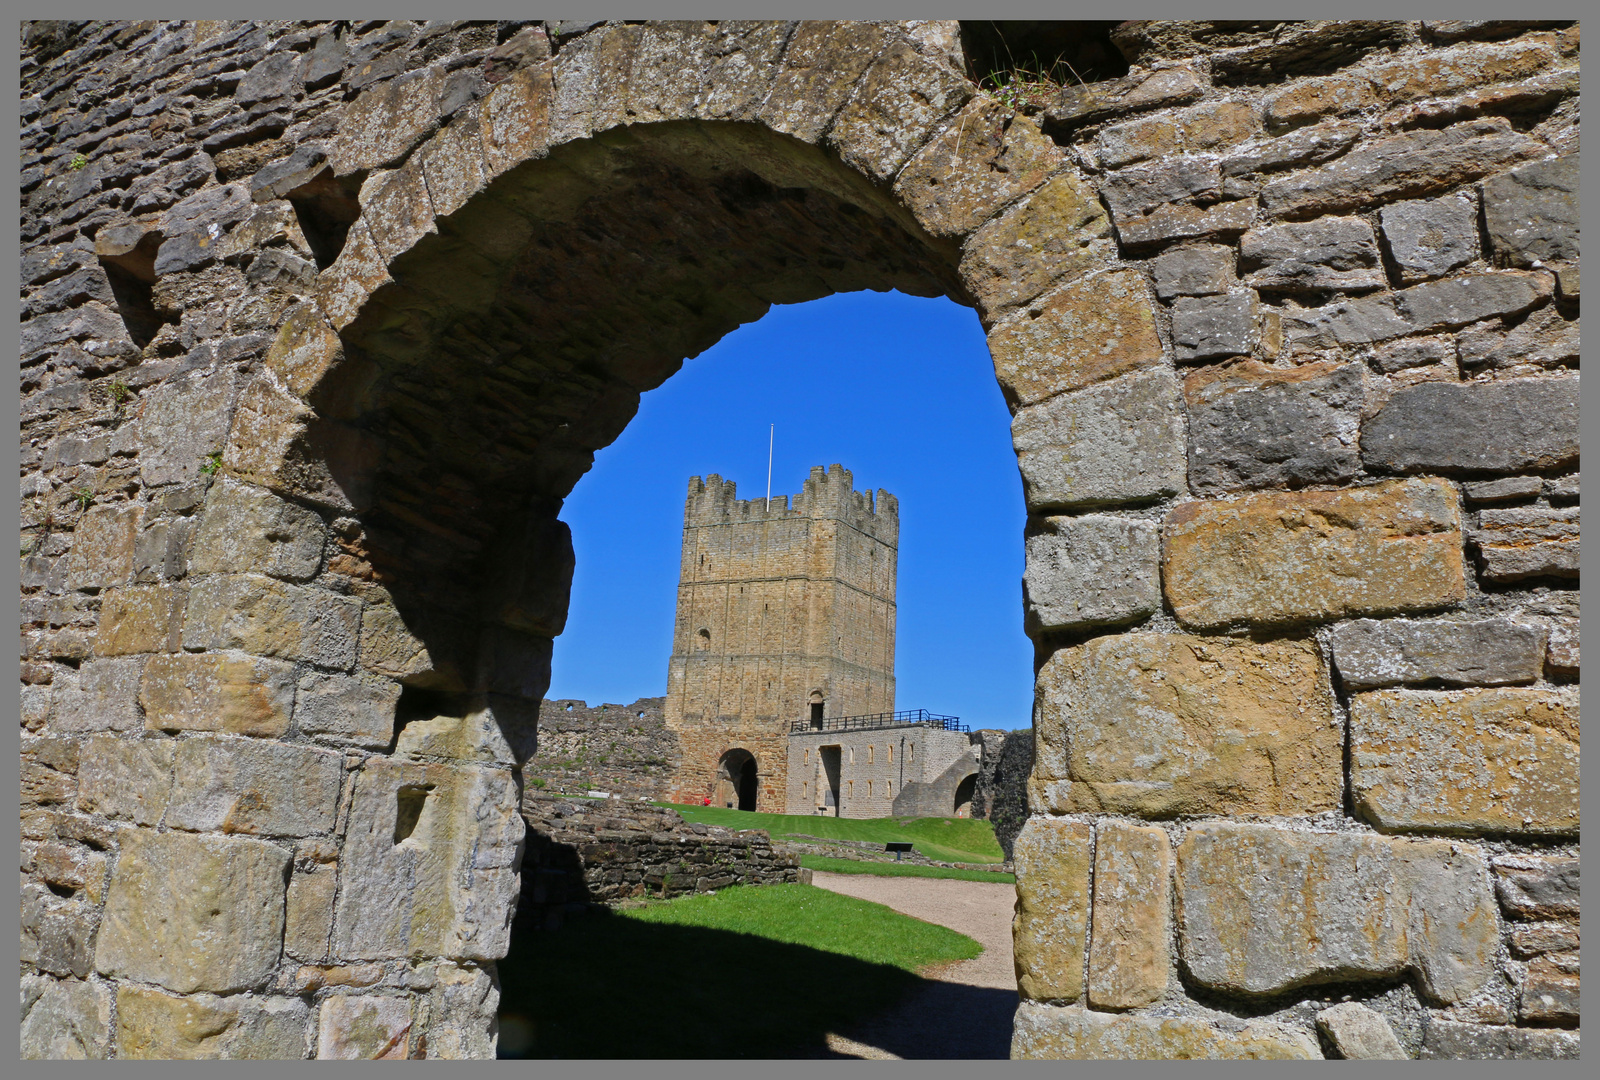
(785, 613)
(321, 321)
(908, 764)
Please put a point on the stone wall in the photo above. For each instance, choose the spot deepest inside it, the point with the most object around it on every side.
(625, 751)
(583, 851)
(322, 321)
(1001, 793)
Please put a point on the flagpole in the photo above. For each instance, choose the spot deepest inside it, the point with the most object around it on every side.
(771, 434)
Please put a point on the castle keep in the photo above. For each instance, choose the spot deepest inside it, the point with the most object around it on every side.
(784, 613)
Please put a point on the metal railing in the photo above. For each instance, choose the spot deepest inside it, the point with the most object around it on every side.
(905, 718)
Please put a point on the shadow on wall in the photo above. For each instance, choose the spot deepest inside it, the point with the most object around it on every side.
(691, 992)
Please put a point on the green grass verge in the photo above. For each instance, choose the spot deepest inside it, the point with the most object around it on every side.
(944, 839)
(893, 869)
(743, 973)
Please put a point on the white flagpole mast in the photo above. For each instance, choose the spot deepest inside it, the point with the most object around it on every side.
(771, 434)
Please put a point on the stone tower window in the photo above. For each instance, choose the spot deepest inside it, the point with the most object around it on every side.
(869, 762)
(891, 753)
(869, 789)
(702, 639)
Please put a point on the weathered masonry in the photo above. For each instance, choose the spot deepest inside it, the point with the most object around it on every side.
(322, 321)
(902, 763)
(784, 614)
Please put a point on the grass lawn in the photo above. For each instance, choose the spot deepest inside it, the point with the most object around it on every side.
(945, 839)
(743, 973)
(894, 869)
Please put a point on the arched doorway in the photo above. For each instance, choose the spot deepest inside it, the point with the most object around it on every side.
(963, 798)
(738, 781)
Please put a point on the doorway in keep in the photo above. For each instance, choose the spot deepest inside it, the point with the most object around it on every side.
(737, 780)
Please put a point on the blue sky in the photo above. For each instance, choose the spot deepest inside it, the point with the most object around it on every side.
(899, 390)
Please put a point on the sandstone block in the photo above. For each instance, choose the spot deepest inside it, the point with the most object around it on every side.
(1533, 939)
(1200, 270)
(130, 779)
(1400, 167)
(1220, 221)
(253, 786)
(430, 865)
(1564, 653)
(1456, 1041)
(1131, 193)
(1370, 654)
(1360, 321)
(182, 422)
(1503, 426)
(102, 547)
(1512, 488)
(1090, 103)
(1311, 99)
(1075, 1033)
(1132, 916)
(1531, 212)
(269, 618)
(156, 1025)
(143, 618)
(1360, 1034)
(308, 913)
(1161, 724)
(1085, 332)
(58, 933)
(1263, 909)
(1496, 760)
(1208, 326)
(1052, 921)
(514, 124)
(1253, 425)
(384, 123)
(363, 1027)
(355, 710)
(1119, 441)
(1538, 886)
(1305, 146)
(358, 272)
(388, 647)
(821, 65)
(193, 912)
(1328, 253)
(461, 1007)
(982, 161)
(1550, 990)
(474, 737)
(1516, 543)
(1284, 557)
(65, 1019)
(99, 696)
(1430, 237)
(900, 99)
(247, 529)
(1091, 571)
(222, 691)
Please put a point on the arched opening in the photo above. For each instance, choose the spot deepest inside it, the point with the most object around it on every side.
(738, 781)
(814, 710)
(963, 799)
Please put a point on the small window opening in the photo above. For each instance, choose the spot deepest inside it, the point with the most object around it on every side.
(132, 276)
(870, 756)
(325, 208)
(63, 891)
(703, 640)
(410, 801)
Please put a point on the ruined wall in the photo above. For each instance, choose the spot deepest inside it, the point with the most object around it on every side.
(1001, 793)
(320, 322)
(778, 606)
(625, 751)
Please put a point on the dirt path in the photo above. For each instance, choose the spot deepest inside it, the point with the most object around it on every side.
(965, 1010)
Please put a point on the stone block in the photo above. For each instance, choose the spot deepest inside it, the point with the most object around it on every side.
(231, 692)
(269, 618)
(194, 912)
(1304, 146)
(1265, 909)
(821, 65)
(65, 1019)
(1516, 543)
(1545, 338)
(975, 165)
(1505, 426)
(514, 124)
(247, 529)
(898, 102)
(1306, 100)
(305, 349)
(475, 737)
(102, 546)
(1370, 654)
(453, 164)
(352, 709)
(1132, 917)
(183, 421)
(1360, 321)
(252, 786)
(58, 933)
(1131, 193)
(1253, 425)
(308, 914)
(1092, 102)
(1328, 253)
(1550, 990)
(1117, 442)
(1531, 212)
(462, 1005)
(127, 779)
(1534, 939)
(1091, 571)
(1075, 1033)
(1538, 886)
(1087, 331)
(1287, 557)
(363, 1027)
(49, 771)
(1198, 270)
(382, 125)
(1220, 221)
(1511, 489)
(1160, 724)
(1359, 1034)
(1430, 237)
(100, 696)
(1049, 932)
(358, 272)
(1401, 166)
(388, 647)
(1456, 1041)
(140, 619)
(430, 866)
(1494, 760)
(1214, 326)
(1470, 298)
(1564, 651)
(155, 1025)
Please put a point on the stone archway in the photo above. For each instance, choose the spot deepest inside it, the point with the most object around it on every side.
(738, 780)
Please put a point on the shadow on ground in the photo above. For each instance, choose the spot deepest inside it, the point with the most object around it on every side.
(605, 986)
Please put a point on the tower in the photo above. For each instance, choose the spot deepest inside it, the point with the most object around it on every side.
(784, 614)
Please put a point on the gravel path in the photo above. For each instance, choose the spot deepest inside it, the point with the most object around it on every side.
(965, 1009)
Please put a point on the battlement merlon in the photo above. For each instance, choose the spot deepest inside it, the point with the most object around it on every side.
(827, 494)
